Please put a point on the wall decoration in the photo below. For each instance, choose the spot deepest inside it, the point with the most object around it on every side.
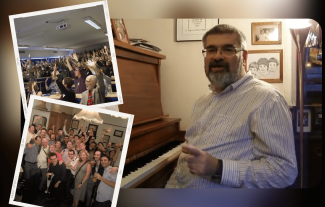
(74, 124)
(94, 127)
(193, 29)
(266, 33)
(119, 30)
(118, 133)
(306, 120)
(266, 65)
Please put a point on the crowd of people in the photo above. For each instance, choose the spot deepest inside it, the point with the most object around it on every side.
(89, 71)
(52, 159)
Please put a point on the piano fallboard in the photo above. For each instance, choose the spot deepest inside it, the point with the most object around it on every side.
(151, 136)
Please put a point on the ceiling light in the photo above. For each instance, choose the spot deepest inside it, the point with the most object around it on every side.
(23, 46)
(106, 34)
(51, 48)
(92, 22)
(89, 116)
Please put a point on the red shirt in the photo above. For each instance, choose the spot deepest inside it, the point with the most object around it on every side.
(90, 99)
(59, 158)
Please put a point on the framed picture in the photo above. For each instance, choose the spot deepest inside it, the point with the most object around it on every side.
(40, 121)
(74, 124)
(306, 120)
(266, 65)
(106, 139)
(118, 133)
(119, 30)
(266, 33)
(94, 127)
(113, 145)
(193, 29)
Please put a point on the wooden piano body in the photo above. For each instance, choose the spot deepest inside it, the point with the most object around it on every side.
(139, 73)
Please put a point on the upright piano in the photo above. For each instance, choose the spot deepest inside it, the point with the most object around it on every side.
(155, 139)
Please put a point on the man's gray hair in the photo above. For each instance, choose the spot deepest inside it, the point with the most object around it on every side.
(93, 78)
(226, 29)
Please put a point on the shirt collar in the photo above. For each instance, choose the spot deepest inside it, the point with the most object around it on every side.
(233, 86)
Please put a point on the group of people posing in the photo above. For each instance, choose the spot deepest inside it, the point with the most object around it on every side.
(89, 71)
(50, 161)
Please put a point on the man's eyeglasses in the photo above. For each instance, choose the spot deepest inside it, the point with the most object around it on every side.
(226, 50)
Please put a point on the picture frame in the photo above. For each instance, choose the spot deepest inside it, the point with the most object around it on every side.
(94, 127)
(106, 139)
(74, 124)
(119, 30)
(193, 29)
(113, 145)
(266, 33)
(42, 121)
(266, 65)
(118, 133)
(307, 120)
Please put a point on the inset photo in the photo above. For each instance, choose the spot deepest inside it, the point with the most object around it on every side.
(67, 54)
(69, 155)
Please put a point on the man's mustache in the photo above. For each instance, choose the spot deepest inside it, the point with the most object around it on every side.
(219, 64)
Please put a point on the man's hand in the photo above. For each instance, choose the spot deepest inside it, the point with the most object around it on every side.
(113, 170)
(74, 55)
(56, 185)
(79, 186)
(199, 162)
(29, 146)
(48, 174)
(60, 162)
(97, 175)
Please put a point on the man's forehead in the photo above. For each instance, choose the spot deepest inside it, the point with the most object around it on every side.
(222, 39)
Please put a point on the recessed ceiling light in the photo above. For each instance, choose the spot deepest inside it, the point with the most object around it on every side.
(23, 46)
(51, 48)
(92, 22)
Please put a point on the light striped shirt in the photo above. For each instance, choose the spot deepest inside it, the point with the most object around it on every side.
(248, 126)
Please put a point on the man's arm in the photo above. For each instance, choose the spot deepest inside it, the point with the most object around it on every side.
(274, 165)
(107, 182)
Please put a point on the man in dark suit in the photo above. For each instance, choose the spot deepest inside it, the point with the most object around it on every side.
(58, 181)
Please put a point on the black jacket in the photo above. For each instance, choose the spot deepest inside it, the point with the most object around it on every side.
(67, 94)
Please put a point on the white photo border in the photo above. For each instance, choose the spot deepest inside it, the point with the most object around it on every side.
(67, 8)
(130, 118)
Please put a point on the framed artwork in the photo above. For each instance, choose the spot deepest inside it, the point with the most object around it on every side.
(94, 127)
(106, 139)
(193, 29)
(40, 121)
(119, 30)
(266, 33)
(74, 124)
(113, 144)
(266, 65)
(118, 133)
(306, 120)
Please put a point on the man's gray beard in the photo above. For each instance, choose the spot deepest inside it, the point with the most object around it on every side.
(224, 80)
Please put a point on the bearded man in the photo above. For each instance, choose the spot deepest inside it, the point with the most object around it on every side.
(240, 134)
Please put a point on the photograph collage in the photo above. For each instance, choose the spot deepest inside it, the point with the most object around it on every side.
(111, 104)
